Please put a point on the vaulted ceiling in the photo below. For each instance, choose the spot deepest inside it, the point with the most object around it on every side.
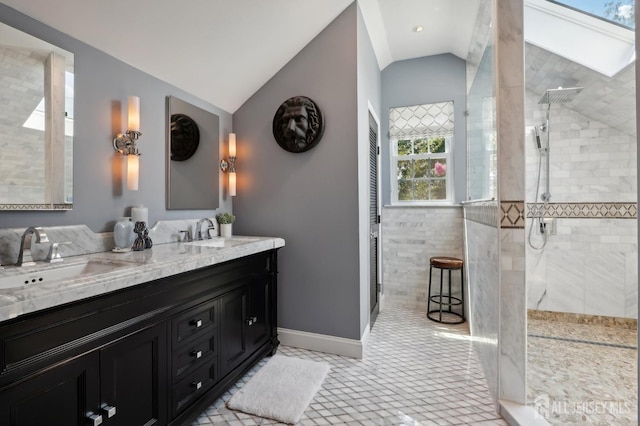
(223, 51)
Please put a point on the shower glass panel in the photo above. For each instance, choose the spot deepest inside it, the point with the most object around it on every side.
(482, 132)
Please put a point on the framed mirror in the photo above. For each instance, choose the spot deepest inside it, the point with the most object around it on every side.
(36, 123)
(192, 156)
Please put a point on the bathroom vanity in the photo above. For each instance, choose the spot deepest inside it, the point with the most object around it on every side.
(154, 338)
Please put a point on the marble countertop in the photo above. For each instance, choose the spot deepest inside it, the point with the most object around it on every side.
(103, 272)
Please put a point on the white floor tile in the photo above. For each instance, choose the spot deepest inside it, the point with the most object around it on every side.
(411, 374)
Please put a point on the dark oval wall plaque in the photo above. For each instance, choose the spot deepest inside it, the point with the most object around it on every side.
(185, 137)
(298, 124)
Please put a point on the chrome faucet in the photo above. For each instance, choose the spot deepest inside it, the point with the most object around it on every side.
(24, 256)
(187, 235)
(199, 228)
(54, 255)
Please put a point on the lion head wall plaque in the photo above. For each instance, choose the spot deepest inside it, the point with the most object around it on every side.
(298, 124)
(185, 137)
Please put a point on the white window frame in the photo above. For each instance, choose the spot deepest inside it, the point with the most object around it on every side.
(447, 156)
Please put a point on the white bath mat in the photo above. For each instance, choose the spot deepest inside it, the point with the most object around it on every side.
(281, 390)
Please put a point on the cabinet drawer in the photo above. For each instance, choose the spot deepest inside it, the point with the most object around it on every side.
(193, 353)
(42, 338)
(195, 321)
(192, 386)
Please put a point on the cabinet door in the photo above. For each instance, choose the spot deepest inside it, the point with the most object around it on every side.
(259, 313)
(133, 373)
(232, 329)
(65, 395)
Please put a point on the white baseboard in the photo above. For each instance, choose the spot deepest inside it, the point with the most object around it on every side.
(324, 343)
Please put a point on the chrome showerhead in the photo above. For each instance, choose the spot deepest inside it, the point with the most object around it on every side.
(553, 96)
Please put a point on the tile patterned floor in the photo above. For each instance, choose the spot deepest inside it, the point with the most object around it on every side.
(590, 379)
(414, 372)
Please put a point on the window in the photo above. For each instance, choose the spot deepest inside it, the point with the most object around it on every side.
(421, 145)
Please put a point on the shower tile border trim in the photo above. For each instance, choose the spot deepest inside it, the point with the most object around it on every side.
(570, 317)
(616, 210)
(512, 214)
(483, 212)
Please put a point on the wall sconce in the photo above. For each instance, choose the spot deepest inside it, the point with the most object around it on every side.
(230, 164)
(125, 144)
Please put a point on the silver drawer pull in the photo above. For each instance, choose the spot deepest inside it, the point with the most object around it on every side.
(94, 419)
(197, 385)
(197, 323)
(109, 410)
(252, 320)
(197, 354)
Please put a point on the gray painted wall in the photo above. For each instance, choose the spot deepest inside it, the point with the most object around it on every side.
(369, 92)
(431, 79)
(310, 199)
(102, 85)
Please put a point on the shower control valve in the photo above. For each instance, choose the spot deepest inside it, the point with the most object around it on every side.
(547, 225)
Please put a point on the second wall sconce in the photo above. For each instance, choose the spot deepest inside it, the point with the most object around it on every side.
(125, 144)
(229, 165)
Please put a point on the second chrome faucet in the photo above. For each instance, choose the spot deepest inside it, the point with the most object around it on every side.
(210, 227)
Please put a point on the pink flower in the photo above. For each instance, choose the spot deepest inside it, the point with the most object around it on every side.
(440, 169)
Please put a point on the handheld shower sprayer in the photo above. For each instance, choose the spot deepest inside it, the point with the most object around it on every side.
(538, 137)
(536, 133)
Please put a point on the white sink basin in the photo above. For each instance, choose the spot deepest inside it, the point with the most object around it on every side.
(213, 242)
(222, 242)
(17, 276)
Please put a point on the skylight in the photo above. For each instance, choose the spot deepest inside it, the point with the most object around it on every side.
(582, 37)
(621, 12)
(36, 120)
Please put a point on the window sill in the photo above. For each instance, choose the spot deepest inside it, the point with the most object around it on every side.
(443, 204)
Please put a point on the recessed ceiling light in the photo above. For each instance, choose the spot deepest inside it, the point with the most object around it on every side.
(418, 29)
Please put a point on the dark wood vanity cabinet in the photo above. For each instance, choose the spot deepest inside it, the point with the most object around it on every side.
(154, 354)
(60, 396)
(194, 346)
(133, 379)
(122, 379)
(245, 321)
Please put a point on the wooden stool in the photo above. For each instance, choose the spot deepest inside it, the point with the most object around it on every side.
(449, 264)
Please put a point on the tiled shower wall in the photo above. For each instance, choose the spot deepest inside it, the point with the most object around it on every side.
(589, 266)
(590, 160)
(509, 52)
(410, 236)
(482, 257)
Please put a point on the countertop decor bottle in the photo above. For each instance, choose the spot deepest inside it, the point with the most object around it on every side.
(140, 213)
(123, 235)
